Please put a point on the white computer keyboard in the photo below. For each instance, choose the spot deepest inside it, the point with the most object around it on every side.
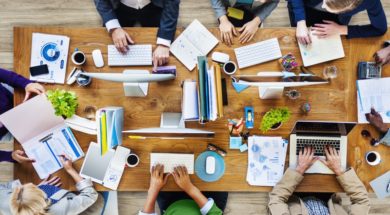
(172, 160)
(137, 55)
(258, 53)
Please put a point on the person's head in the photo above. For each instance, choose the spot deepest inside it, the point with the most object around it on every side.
(28, 199)
(340, 6)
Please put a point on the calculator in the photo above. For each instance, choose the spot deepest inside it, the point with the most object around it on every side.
(368, 70)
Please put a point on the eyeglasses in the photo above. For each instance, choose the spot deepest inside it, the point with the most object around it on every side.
(367, 134)
(214, 148)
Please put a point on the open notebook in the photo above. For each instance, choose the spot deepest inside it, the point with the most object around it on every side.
(43, 135)
(195, 41)
(321, 50)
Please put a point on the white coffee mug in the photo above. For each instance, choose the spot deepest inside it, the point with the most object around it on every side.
(132, 160)
(229, 68)
(78, 58)
(373, 158)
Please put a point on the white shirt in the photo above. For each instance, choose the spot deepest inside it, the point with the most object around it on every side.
(136, 4)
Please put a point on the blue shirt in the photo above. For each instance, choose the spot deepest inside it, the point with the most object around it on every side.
(376, 14)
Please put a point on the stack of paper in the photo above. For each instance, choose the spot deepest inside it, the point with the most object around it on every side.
(373, 93)
(190, 101)
(110, 125)
(209, 91)
(266, 158)
(195, 41)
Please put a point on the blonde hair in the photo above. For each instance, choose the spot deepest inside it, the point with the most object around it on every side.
(342, 5)
(28, 199)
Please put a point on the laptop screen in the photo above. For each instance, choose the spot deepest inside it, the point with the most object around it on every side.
(324, 128)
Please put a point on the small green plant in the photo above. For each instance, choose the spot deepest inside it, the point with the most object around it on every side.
(64, 102)
(273, 117)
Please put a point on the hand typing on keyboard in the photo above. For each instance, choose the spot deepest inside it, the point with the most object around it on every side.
(333, 160)
(121, 39)
(306, 159)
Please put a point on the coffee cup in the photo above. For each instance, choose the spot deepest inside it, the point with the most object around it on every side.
(229, 68)
(132, 160)
(78, 58)
(373, 158)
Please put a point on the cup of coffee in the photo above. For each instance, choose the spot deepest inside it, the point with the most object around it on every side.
(78, 58)
(132, 160)
(373, 158)
(229, 68)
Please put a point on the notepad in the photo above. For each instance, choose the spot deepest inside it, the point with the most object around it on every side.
(195, 41)
(321, 50)
(379, 185)
(43, 135)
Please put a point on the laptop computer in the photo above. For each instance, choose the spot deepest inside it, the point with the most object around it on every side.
(319, 134)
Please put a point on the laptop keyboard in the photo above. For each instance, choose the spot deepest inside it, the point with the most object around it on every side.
(317, 144)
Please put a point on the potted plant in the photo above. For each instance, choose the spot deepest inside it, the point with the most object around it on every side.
(274, 118)
(64, 102)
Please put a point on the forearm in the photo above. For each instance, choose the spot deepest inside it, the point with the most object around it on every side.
(13, 79)
(197, 196)
(150, 202)
(219, 8)
(354, 188)
(75, 175)
(263, 11)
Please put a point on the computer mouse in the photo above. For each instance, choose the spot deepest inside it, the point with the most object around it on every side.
(210, 165)
(220, 57)
(97, 58)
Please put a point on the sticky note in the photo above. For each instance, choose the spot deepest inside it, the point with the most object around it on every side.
(235, 13)
(243, 147)
(235, 142)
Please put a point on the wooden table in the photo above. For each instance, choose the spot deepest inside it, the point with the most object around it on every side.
(336, 101)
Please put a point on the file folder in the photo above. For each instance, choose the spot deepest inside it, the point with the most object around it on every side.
(110, 125)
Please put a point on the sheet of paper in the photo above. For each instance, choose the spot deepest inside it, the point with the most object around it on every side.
(379, 185)
(321, 50)
(195, 41)
(213, 110)
(48, 146)
(190, 101)
(374, 93)
(51, 50)
(39, 114)
(266, 158)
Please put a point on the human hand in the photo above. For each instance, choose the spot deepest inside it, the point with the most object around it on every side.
(328, 29)
(67, 163)
(121, 39)
(20, 157)
(306, 158)
(333, 160)
(249, 30)
(382, 56)
(302, 33)
(182, 179)
(160, 56)
(375, 119)
(157, 178)
(54, 181)
(33, 88)
(227, 30)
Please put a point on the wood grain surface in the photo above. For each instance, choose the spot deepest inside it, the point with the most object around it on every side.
(335, 101)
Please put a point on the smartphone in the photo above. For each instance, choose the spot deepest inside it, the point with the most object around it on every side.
(39, 70)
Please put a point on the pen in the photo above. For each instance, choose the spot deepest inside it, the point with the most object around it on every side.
(388, 187)
(63, 156)
(137, 137)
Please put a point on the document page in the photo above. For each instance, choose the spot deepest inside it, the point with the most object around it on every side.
(321, 50)
(47, 148)
(195, 41)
